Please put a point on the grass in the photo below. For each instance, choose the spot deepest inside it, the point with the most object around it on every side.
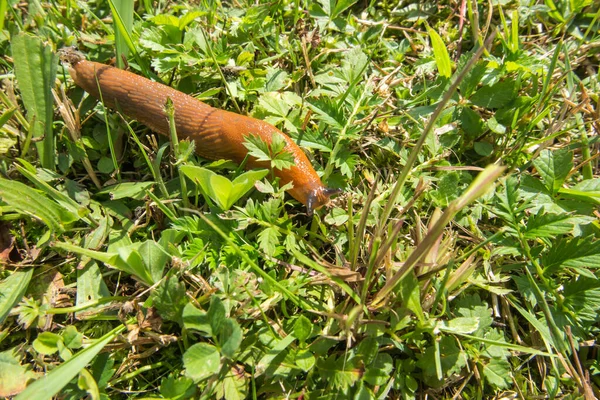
(461, 260)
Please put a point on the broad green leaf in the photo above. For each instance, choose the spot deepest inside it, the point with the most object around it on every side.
(471, 122)
(35, 70)
(554, 167)
(587, 190)
(169, 298)
(51, 383)
(582, 295)
(495, 96)
(201, 361)
(245, 182)
(450, 357)
(154, 257)
(177, 388)
(440, 53)
(274, 353)
(275, 80)
(193, 318)
(380, 371)
(87, 382)
(497, 373)
(72, 338)
(367, 350)
(341, 6)
(459, 325)
(220, 189)
(305, 360)
(233, 386)
(230, 337)
(484, 149)
(12, 290)
(13, 375)
(338, 371)
(302, 328)
(216, 315)
(67, 205)
(47, 343)
(127, 259)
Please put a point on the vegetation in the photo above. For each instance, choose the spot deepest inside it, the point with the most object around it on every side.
(461, 260)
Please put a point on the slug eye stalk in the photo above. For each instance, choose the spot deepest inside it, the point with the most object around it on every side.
(319, 197)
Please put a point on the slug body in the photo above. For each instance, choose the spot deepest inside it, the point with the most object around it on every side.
(218, 134)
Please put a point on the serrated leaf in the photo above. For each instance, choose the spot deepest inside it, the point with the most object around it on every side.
(554, 167)
(497, 373)
(268, 240)
(201, 361)
(551, 225)
(574, 253)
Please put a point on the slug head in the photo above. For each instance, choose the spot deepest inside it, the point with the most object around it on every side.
(319, 197)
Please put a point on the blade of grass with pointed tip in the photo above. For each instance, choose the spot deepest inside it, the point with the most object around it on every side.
(12, 290)
(125, 35)
(124, 12)
(52, 383)
(480, 185)
(387, 211)
(28, 201)
(440, 54)
(35, 70)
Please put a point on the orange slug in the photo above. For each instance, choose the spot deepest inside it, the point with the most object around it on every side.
(218, 134)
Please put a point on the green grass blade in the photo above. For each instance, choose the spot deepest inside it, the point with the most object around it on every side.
(35, 70)
(123, 16)
(480, 185)
(12, 289)
(28, 201)
(58, 378)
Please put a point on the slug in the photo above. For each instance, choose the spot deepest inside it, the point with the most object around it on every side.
(218, 134)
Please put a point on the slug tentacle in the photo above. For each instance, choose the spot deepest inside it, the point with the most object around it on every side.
(218, 134)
